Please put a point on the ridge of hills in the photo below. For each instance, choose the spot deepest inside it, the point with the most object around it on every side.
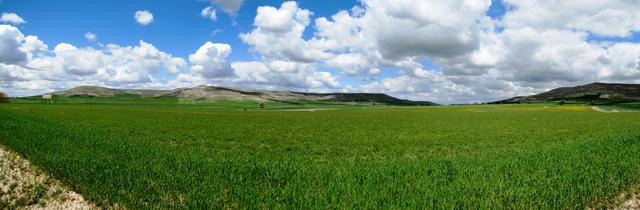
(223, 93)
(594, 92)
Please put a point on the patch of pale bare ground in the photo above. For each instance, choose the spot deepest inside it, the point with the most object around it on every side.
(624, 201)
(632, 202)
(23, 186)
(598, 109)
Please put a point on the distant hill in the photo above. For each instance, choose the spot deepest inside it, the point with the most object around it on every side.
(218, 93)
(598, 92)
(94, 91)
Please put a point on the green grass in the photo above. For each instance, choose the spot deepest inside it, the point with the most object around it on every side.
(271, 105)
(632, 106)
(469, 157)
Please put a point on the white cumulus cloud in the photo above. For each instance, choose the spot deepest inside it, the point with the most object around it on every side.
(210, 60)
(143, 17)
(209, 12)
(15, 48)
(278, 34)
(283, 75)
(90, 36)
(11, 18)
(604, 17)
(229, 6)
(28, 67)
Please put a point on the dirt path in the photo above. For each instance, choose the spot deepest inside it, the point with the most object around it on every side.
(23, 186)
(598, 109)
(615, 110)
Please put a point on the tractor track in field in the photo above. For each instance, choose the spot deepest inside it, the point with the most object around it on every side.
(24, 186)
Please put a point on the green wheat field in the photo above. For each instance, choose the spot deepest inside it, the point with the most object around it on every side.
(144, 154)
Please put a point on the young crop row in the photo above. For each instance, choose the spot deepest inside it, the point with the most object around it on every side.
(434, 157)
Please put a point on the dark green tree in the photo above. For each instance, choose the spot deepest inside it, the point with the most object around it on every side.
(4, 98)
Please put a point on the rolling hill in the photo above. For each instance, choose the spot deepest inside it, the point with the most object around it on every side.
(207, 93)
(598, 92)
(95, 91)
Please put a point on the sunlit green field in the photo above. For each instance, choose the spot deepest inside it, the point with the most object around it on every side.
(203, 156)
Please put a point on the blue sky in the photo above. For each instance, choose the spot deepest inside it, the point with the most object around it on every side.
(178, 28)
(444, 51)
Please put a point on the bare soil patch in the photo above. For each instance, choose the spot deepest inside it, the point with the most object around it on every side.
(631, 203)
(23, 186)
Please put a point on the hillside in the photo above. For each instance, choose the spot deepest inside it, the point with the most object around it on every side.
(92, 91)
(599, 92)
(206, 93)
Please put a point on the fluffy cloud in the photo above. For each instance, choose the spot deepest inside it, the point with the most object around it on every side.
(424, 28)
(282, 20)
(187, 80)
(545, 45)
(350, 64)
(283, 75)
(606, 17)
(447, 89)
(520, 61)
(143, 17)
(383, 33)
(28, 67)
(288, 60)
(210, 60)
(90, 36)
(620, 63)
(141, 61)
(11, 18)
(78, 61)
(540, 57)
(397, 30)
(229, 6)
(113, 65)
(374, 71)
(538, 46)
(15, 73)
(209, 12)
(15, 48)
(278, 34)
(11, 40)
